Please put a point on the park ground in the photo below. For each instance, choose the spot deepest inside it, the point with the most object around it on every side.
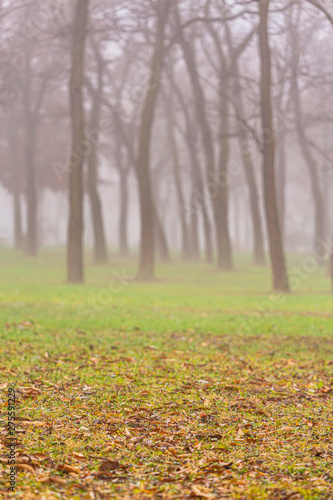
(199, 385)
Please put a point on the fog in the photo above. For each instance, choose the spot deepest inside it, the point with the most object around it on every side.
(173, 154)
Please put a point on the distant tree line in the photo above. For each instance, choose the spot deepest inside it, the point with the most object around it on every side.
(213, 101)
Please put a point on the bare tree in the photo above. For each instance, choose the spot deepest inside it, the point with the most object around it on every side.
(146, 262)
(75, 272)
(169, 113)
(304, 145)
(15, 177)
(198, 203)
(100, 250)
(279, 269)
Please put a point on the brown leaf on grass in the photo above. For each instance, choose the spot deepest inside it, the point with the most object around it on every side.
(26, 467)
(137, 439)
(285, 429)
(218, 467)
(114, 420)
(40, 457)
(36, 423)
(69, 468)
(240, 433)
(79, 456)
(173, 451)
(109, 465)
(54, 480)
(201, 492)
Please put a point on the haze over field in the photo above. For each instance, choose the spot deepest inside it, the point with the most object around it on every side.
(185, 98)
(166, 255)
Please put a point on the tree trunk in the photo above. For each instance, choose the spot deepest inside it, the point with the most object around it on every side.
(15, 185)
(216, 198)
(282, 183)
(123, 217)
(198, 203)
(194, 225)
(160, 237)
(258, 237)
(31, 195)
(75, 272)
(18, 232)
(177, 179)
(30, 144)
(312, 169)
(146, 262)
(331, 268)
(225, 260)
(100, 250)
(279, 270)
(245, 150)
(305, 148)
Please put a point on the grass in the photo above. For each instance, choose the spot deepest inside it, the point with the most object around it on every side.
(200, 385)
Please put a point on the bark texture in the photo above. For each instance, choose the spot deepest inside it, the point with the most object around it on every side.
(279, 269)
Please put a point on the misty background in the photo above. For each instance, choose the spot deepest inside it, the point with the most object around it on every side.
(35, 61)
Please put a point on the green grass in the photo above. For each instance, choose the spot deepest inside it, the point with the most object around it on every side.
(201, 384)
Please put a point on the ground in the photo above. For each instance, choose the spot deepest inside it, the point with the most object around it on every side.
(199, 385)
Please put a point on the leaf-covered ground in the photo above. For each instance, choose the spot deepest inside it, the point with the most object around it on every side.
(191, 387)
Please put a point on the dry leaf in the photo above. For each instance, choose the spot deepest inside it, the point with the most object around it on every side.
(201, 491)
(114, 420)
(53, 479)
(109, 465)
(26, 467)
(285, 429)
(240, 433)
(36, 423)
(137, 439)
(69, 468)
(40, 456)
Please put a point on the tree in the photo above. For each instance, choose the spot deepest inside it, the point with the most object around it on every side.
(304, 144)
(279, 269)
(198, 203)
(13, 144)
(100, 251)
(146, 262)
(75, 273)
(214, 177)
(169, 114)
(247, 160)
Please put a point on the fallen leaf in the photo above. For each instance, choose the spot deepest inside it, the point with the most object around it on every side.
(109, 465)
(36, 423)
(26, 467)
(53, 479)
(201, 491)
(69, 468)
(114, 420)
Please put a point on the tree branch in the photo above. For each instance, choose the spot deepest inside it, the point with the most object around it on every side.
(322, 9)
